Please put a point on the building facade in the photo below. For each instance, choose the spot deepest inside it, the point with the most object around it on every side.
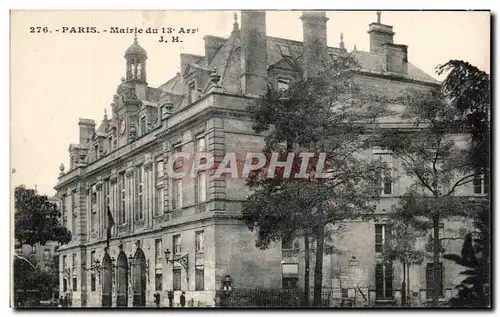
(186, 235)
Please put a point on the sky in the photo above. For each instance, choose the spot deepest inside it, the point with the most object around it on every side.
(59, 77)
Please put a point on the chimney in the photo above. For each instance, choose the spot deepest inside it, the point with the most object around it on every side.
(87, 129)
(396, 58)
(212, 44)
(314, 47)
(380, 34)
(188, 58)
(254, 57)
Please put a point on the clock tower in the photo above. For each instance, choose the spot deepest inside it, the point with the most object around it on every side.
(130, 92)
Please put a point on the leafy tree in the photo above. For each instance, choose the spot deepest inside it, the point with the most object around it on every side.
(320, 115)
(436, 158)
(474, 291)
(37, 219)
(402, 242)
(469, 91)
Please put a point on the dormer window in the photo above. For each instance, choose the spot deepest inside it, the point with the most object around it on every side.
(283, 84)
(192, 92)
(96, 149)
(110, 142)
(285, 50)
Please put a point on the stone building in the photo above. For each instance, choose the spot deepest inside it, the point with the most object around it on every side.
(120, 163)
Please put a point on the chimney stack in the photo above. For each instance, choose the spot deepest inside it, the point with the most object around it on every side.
(87, 129)
(315, 46)
(254, 57)
(396, 58)
(380, 34)
(212, 44)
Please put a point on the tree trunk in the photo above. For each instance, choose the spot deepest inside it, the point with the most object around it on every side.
(318, 268)
(306, 270)
(408, 283)
(403, 286)
(435, 258)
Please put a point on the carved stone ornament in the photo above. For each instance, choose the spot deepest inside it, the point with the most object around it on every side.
(148, 164)
(129, 172)
(98, 185)
(129, 94)
(113, 178)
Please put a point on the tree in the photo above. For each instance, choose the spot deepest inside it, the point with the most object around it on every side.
(469, 91)
(37, 219)
(474, 291)
(401, 244)
(326, 116)
(436, 158)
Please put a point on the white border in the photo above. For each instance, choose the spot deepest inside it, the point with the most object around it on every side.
(213, 5)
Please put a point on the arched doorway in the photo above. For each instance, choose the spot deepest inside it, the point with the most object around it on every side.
(107, 280)
(122, 280)
(139, 278)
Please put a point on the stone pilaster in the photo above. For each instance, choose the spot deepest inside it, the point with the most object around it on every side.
(216, 146)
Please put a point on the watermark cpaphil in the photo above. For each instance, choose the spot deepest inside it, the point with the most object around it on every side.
(242, 165)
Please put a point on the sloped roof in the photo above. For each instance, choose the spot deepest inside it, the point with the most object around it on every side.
(280, 52)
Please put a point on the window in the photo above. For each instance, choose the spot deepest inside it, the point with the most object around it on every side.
(142, 125)
(380, 237)
(176, 193)
(65, 285)
(176, 279)
(199, 245)
(107, 197)
(73, 264)
(63, 207)
(158, 250)
(65, 262)
(122, 189)
(201, 177)
(110, 142)
(290, 282)
(383, 280)
(73, 223)
(139, 181)
(192, 92)
(92, 274)
(176, 244)
(96, 149)
(158, 282)
(201, 187)
(159, 168)
(199, 278)
(481, 184)
(386, 157)
(179, 161)
(283, 84)
(430, 234)
(290, 275)
(285, 50)
(75, 284)
(159, 202)
(429, 277)
(345, 293)
(93, 216)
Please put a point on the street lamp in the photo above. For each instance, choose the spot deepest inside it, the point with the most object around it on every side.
(227, 285)
(182, 260)
(353, 262)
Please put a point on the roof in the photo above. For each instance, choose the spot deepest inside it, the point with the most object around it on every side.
(280, 52)
(135, 49)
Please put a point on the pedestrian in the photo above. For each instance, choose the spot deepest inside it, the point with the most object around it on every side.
(157, 299)
(170, 298)
(183, 299)
(61, 302)
(66, 301)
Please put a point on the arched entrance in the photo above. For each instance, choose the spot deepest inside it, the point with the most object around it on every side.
(107, 280)
(122, 280)
(139, 279)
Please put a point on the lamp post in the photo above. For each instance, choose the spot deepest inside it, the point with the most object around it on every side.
(182, 260)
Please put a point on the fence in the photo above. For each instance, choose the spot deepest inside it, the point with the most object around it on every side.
(278, 298)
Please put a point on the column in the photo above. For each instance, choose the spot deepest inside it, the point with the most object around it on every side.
(100, 205)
